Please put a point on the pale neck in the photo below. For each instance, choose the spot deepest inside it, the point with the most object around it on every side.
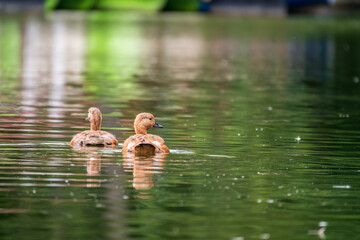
(140, 130)
(95, 125)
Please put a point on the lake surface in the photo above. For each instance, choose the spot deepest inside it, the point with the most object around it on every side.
(261, 116)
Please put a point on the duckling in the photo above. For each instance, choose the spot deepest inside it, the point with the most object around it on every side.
(143, 143)
(94, 137)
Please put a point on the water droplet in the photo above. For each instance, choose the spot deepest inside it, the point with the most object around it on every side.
(265, 236)
(341, 186)
(270, 108)
(237, 238)
(323, 224)
(356, 80)
(238, 134)
(298, 138)
(125, 197)
(259, 201)
(344, 115)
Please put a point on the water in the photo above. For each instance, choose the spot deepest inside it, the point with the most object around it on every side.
(261, 117)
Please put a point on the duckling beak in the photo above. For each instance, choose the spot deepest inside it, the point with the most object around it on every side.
(156, 125)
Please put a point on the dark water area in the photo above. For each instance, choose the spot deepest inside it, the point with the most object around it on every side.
(261, 116)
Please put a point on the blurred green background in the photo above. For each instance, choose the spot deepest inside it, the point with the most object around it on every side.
(139, 5)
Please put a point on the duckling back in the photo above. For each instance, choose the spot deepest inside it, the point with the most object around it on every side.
(93, 138)
(108, 138)
(145, 144)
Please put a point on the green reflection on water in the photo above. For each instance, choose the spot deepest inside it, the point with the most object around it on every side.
(113, 53)
(10, 54)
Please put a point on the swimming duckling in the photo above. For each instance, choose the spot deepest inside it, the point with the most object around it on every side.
(143, 143)
(94, 137)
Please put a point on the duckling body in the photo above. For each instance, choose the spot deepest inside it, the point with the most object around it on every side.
(148, 143)
(94, 136)
(142, 142)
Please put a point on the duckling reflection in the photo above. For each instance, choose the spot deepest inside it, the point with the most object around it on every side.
(93, 165)
(92, 156)
(143, 168)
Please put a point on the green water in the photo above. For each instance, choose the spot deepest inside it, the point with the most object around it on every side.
(261, 116)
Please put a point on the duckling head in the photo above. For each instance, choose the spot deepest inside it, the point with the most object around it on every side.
(145, 121)
(94, 117)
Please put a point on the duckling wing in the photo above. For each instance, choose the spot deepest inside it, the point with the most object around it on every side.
(158, 141)
(78, 139)
(108, 138)
(154, 140)
(131, 143)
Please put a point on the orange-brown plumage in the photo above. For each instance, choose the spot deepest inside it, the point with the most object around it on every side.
(142, 142)
(94, 136)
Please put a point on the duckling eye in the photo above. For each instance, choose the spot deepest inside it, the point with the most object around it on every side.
(150, 119)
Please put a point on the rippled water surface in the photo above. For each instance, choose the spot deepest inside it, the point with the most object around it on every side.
(261, 116)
